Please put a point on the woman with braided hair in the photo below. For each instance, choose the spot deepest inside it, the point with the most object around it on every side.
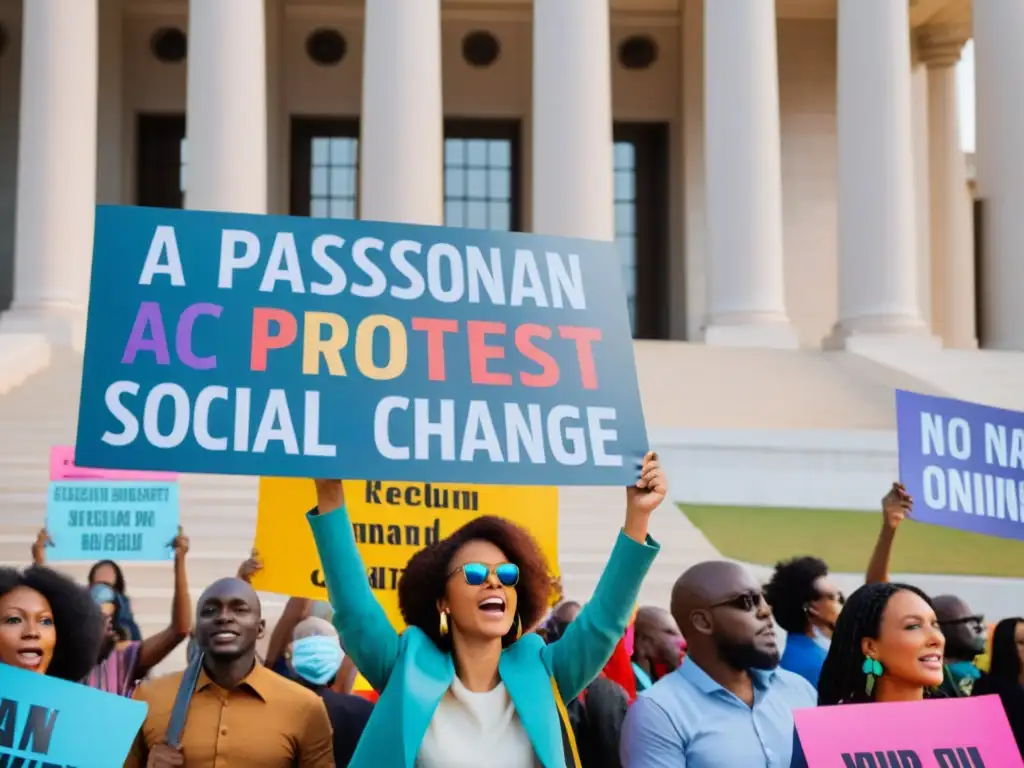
(887, 646)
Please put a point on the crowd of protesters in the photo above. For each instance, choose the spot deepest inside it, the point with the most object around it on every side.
(488, 673)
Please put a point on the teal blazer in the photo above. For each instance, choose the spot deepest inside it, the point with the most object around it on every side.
(413, 674)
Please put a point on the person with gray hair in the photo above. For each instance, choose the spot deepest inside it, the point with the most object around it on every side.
(316, 658)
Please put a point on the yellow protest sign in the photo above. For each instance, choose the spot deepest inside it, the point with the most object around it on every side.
(390, 521)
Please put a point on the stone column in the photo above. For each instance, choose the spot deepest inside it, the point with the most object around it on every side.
(999, 78)
(878, 291)
(56, 189)
(402, 134)
(952, 227)
(227, 106)
(572, 168)
(743, 177)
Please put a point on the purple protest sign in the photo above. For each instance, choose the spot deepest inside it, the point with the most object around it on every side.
(963, 463)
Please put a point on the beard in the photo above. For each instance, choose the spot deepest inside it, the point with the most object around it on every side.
(745, 655)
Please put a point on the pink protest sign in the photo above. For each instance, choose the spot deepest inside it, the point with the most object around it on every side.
(62, 467)
(937, 733)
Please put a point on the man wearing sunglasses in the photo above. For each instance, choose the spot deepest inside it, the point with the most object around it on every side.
(966, 635)
(728, 704)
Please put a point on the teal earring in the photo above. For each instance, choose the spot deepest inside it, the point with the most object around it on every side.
(872, 669)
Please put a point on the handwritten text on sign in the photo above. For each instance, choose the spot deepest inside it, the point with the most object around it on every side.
(963, 463)
(390, 522)
(122, 520)
(244, 344)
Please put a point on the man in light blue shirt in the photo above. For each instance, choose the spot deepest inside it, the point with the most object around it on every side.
(728, 705)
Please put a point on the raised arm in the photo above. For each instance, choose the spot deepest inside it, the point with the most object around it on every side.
(158, 647)
(896, 505)
(39, 546)
(581, 653)
(366, 633)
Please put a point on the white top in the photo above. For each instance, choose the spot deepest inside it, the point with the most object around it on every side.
(473, 729)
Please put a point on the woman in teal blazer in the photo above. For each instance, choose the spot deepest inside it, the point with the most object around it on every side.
(469, 606)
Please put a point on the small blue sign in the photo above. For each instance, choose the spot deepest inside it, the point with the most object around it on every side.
(269, 345)
(963, 463)
(46, 721)
(111, 520)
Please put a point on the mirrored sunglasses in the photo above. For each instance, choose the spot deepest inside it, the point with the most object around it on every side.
(477, 573)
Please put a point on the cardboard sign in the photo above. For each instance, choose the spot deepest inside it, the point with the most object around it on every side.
(963, 463)
(103, 520)
(936, 733)
(267, 345)
(391, 522)
(63, 467)
(45, 721)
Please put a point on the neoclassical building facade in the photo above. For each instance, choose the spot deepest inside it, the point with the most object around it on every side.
(775, 174)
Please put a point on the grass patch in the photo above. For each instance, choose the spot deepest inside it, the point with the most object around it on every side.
(845, 541)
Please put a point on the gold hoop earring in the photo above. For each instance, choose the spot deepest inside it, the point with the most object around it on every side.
(443, 628)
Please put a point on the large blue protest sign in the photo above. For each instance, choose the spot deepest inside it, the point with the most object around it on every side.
(963, 463)
(265, 345)
(45, 721)
(112, 520)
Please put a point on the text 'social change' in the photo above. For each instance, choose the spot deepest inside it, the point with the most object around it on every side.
(240, 344)
(963, 463)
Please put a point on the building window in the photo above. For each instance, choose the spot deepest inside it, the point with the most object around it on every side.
(624, 163)
(325, 168)
(160, 171)
(481, 174)
(640, 160)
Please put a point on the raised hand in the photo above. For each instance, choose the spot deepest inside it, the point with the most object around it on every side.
(39, 546)
(330, 495)
(650, 489)
(896, 506)
(180, 544)
(250, 567)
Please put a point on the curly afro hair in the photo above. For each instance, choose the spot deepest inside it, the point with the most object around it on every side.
(423, 582)
(792, 588)
(76, 617)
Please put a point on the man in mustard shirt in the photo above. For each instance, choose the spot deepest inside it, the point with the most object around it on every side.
(242, 714)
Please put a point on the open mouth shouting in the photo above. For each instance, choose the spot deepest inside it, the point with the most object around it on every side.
(493, 606)
(30, 657)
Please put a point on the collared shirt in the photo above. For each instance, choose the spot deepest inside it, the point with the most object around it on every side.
(643, 680)
(687, 719)
(266, 722)
(804, 656)
(958, 678)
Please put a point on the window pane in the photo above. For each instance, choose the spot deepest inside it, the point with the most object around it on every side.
(454, 151)
(476, 153)
(318, 182)
(453, 186)
(500, 154)
(499, 217)
(476, 183)
(476, 214)
(320, 151)
(453, 214)
(500, 183)
(318, 208)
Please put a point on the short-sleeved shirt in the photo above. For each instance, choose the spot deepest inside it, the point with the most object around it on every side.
(804, 656)
(688, 719)
(265, 722)
(118, 673)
